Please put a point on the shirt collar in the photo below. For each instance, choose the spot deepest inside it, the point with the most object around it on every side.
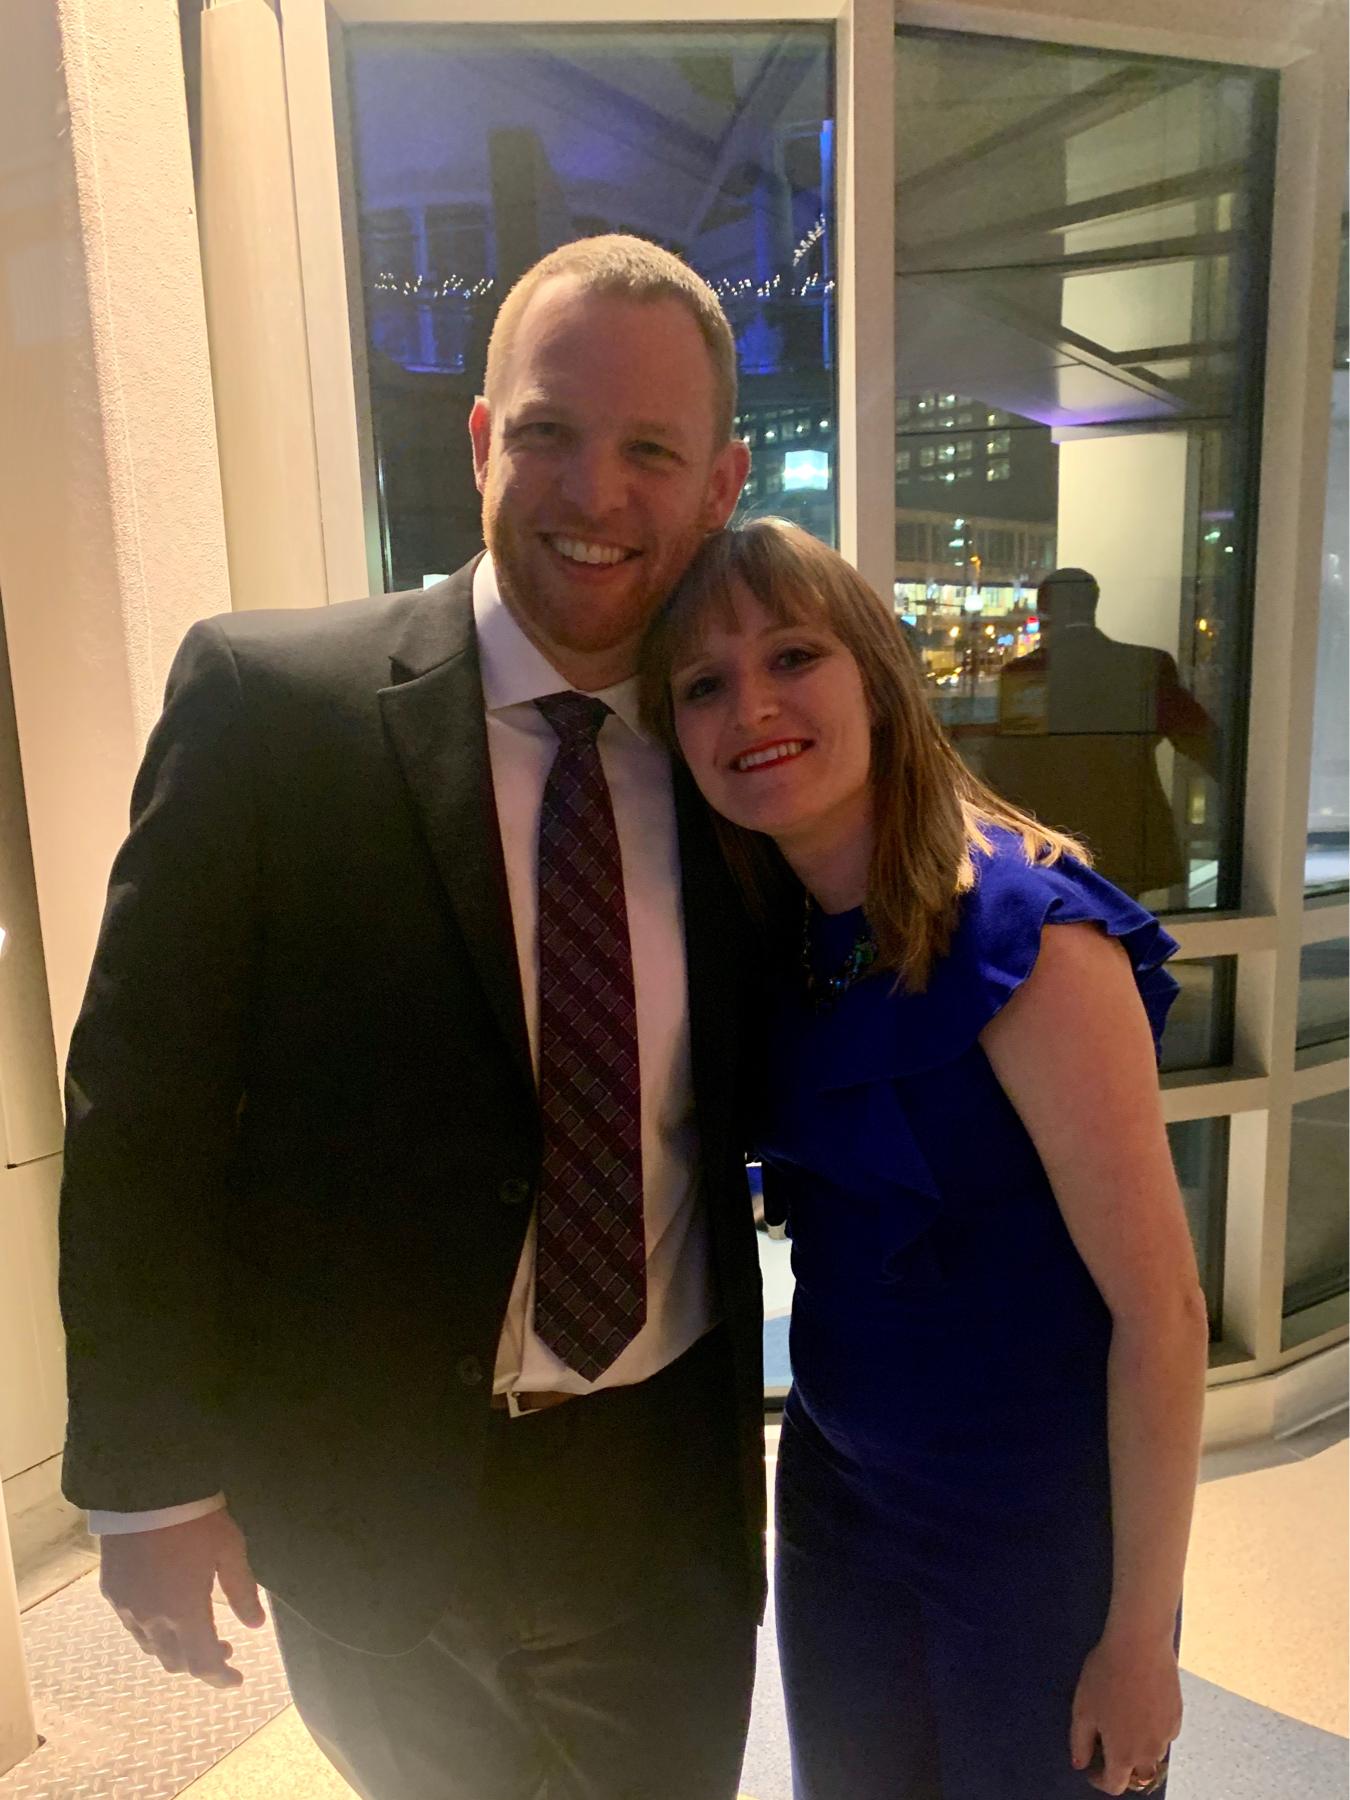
(516, 672)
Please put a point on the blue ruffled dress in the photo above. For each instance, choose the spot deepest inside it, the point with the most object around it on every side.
(943, 1513)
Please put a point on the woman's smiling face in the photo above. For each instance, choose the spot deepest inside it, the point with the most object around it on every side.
(774, 723)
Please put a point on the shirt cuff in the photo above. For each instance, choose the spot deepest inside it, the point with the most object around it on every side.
(113, 1524)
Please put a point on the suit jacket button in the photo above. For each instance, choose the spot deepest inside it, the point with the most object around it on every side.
(470, 1371)
(514, 1191)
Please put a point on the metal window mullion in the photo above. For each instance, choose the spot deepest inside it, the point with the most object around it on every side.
(325, 209)
(1323, 921)
(865, 211)
(1307, 198)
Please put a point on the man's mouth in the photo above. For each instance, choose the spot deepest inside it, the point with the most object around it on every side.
(764, 756)
(587, 552)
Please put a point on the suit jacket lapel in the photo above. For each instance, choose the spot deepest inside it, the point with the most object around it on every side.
(433, 713)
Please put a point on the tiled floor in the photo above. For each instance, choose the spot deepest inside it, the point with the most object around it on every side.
(1264, 1651)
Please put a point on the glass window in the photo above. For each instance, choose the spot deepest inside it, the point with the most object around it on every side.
(1328, 865)
(1323, 996)
(1200, 1158)
(1315, 1259)
(1199, 1032)
(1084, 252)
(717, 143)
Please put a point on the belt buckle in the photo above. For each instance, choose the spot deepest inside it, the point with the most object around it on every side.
(514, 1410)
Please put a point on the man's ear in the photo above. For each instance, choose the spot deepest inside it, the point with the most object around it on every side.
(480, 433)
(730, 467)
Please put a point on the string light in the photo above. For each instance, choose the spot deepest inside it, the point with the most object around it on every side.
(424, 287)
(809, 242)
(728, 289)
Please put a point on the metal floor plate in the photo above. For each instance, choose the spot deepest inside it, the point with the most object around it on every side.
(116, 1726)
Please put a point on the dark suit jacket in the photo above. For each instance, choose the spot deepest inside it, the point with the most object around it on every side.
(303, 1134)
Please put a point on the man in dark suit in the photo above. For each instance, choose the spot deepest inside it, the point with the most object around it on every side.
(1080, 722)
(407, 1256)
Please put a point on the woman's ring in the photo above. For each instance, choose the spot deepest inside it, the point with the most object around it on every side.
(1150, 1783)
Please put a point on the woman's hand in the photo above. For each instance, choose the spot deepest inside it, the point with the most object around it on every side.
(1129, 1698)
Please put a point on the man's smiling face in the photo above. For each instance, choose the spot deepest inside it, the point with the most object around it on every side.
(599, 472)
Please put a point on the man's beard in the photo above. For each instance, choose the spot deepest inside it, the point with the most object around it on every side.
(568, 626)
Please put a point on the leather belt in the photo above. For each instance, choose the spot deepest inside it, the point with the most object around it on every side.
(520, 1404)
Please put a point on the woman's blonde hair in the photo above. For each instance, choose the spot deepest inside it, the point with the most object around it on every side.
(929, 812)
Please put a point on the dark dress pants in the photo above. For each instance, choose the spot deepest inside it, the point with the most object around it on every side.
(602, 1647)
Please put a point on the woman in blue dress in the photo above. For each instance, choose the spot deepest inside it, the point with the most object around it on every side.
(998, 1339)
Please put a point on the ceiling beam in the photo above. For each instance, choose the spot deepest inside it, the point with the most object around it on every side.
(1147, 196)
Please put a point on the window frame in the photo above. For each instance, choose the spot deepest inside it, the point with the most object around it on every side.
(1303, 41)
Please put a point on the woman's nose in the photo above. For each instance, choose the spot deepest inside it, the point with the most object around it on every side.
(755, 700)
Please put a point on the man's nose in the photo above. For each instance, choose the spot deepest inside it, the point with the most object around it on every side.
(595, 480)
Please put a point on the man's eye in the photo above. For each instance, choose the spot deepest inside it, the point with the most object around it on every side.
(651, 451)
(537, 431)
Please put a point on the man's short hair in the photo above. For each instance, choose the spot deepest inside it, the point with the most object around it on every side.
(637, 270)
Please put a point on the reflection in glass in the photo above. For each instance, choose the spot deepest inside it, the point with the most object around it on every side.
(477, 150)
(1199, 1032)
(1316, 1256)
(1200, 1158)
(1323, 993)
(1328, 864)
(1081, 264)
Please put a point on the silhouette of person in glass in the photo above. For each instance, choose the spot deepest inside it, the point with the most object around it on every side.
(1079, 724)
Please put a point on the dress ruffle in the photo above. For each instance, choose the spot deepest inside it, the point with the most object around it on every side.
(837, 1111)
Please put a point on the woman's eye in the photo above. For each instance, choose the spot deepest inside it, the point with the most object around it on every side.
(698, 689)
(797, 656)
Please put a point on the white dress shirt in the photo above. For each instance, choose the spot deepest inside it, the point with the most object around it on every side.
(521, 748)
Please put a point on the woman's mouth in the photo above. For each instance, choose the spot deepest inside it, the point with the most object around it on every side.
(766, 756)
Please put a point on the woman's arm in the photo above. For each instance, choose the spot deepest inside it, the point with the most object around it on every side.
(1074, 1053)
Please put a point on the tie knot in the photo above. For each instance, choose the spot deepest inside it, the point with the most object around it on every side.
(576, 718)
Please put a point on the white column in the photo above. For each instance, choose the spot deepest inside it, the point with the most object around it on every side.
(18, 1733)
(866, 295)
(111, 544)
(256, 312)
(111, 538)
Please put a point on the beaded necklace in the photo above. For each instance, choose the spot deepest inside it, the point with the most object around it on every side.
(824, 990)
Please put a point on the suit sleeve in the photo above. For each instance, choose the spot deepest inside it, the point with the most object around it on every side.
(154, 1085)
(1184, 722)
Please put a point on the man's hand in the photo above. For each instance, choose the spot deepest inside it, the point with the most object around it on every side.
(159, 1584)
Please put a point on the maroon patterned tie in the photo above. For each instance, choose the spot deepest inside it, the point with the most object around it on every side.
(591, 1263)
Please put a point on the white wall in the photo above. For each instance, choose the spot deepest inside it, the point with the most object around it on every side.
(1122, 514)
(1329, 800)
